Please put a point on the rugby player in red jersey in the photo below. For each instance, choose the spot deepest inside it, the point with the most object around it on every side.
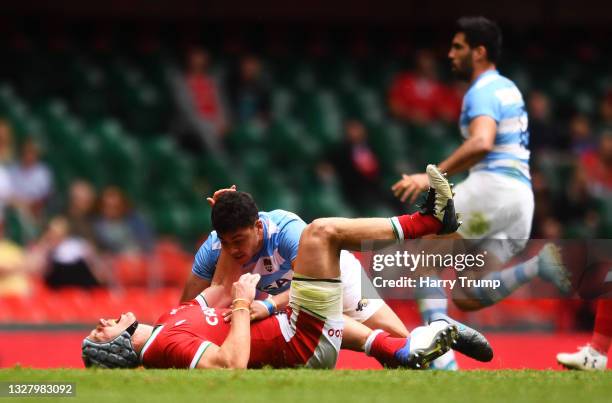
(310, 331)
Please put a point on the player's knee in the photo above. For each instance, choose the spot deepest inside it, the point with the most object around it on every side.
(468, 304)
(322, 229)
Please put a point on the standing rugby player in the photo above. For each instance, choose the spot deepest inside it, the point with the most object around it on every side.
(496, 200)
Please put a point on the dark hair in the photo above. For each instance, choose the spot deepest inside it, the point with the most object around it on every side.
(233, 211)
(480, 31)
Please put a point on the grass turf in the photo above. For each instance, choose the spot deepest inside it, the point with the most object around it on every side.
(323, 386)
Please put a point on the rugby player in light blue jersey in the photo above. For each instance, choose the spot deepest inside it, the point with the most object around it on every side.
(496, 200)
(270, 249)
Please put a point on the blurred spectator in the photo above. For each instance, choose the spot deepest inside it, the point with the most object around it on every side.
(551, 229)
(597, 167)
(6, 190)
(80, 211)
(419, 96)
(6, 159)
(31, 180)
(358, 168)
(204, 89)
(576, 201)
(199, 99)
(71, 259)
(544, 134)
(6, 143)
(580, 134)
(248, 91)
(119, 229)
(13, 276)
(606, 110)
(17, 264)
(74, 260)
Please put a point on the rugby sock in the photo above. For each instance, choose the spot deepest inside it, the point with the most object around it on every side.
(383, 347)
(602, 334)
(412, 226)
(510, 279)
(431, 301)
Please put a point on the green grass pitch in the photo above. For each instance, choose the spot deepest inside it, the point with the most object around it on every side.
(284, 386)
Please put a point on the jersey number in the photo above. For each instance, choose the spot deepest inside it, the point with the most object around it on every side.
(524, 139)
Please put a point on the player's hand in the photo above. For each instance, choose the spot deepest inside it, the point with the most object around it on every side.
(258, 312)
(410, 186)
(212, 200)
(244, 288)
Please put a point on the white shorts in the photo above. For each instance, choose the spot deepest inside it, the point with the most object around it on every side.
(314, 329)
(493, 206)
(355, 307)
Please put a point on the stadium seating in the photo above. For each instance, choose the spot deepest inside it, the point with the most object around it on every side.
(106, 114)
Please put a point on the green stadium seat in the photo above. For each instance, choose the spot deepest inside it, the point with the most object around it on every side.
(246, 136)
(321, 116)
(217, 172)
(282, 103)
(389, 142)
(584, 102)
(286, 136)
(90, 98)
(364, 104)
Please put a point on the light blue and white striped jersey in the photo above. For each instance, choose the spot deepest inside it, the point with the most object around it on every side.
(281, 237)
(496, 96)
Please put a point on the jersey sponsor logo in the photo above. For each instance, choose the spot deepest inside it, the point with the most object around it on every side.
(267, 263)
(477, 224)
(362, 304)
(280, 283)
(175, 310)
(509, 96)
(211, 316)
(335, 332)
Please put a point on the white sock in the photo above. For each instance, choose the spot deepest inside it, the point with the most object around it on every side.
(368, 344)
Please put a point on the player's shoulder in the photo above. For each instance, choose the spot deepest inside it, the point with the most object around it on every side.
(493, 87)
(488, 82)
(279, 217)
(211, 243)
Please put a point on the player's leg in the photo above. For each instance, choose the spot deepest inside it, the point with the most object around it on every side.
(364, 314)
(384, 318)
(547, 265)
(390, 351)
(500, 211)
(593, 356)
(319, 256)
(316, 293)
(602, 335)
(361, 301)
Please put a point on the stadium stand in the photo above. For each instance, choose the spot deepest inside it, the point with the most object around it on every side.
(103, 109)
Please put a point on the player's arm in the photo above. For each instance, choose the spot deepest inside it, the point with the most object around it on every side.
(480, 142)
(289, 239)
(204, 270)
(193, 287)
(282, 300)
(235, 350)
(289, 243)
